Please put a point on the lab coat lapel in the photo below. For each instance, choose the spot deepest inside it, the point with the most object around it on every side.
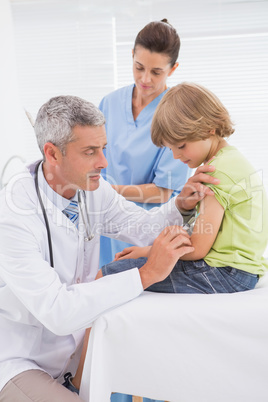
(55, 214)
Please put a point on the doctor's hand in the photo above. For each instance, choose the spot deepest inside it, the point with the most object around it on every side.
(132, 252)
(172, 243)
(194, 190)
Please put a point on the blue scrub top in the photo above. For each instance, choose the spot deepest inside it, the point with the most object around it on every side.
(131, 155)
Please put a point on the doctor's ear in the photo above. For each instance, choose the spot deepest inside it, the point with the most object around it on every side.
(52, 153)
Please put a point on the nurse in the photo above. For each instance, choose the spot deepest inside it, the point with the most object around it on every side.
(137, 169)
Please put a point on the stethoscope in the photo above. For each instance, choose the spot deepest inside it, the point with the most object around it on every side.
(82, 208)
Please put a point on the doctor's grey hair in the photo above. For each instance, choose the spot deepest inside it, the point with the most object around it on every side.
(56, 119)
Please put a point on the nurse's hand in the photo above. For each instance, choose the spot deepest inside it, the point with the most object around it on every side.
(194, 190)
(172, 243)
(133, 252)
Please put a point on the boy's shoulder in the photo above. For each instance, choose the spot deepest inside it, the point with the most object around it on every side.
(231, 162)
(236, 174)
(228, 153)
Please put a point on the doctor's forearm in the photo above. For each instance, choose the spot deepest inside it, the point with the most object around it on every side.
(148, 193)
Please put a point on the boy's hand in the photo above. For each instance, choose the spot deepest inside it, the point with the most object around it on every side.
(133, 252)
(194, 190)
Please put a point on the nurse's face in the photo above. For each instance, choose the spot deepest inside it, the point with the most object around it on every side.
(83, 161)
(150, 71)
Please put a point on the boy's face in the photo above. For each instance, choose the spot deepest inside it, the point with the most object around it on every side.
(193, 153)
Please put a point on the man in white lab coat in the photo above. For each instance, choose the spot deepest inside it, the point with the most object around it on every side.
(49, 260)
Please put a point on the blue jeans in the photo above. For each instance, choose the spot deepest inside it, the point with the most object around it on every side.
(192, 277)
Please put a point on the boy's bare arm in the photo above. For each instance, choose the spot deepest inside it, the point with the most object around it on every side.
(194, 190)
(206, 228)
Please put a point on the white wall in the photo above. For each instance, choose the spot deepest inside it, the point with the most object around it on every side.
(11, 111)
(83, 48)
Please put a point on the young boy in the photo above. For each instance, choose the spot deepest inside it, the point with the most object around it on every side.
(231, 231)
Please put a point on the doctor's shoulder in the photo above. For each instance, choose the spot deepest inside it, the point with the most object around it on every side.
(18, 198)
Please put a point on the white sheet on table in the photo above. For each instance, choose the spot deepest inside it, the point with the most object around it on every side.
(182, 348)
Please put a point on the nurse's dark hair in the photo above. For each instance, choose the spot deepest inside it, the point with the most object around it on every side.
(56, 119)
(160, 37)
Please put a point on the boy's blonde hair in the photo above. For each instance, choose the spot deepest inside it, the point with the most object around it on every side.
(189, 112)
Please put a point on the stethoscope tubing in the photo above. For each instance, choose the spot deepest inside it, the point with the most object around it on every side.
(44, 214)
(89, 236)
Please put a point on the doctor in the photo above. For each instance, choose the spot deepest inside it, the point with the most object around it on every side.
(49, 253)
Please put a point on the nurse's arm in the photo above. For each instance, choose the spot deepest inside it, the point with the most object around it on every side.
(144, 193)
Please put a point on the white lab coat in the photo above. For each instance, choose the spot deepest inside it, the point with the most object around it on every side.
(44, 311)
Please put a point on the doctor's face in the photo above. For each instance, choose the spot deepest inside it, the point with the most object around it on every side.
(83, 161)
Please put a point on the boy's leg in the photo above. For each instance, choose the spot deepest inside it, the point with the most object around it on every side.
(199, 277)
(192, 277)
(114, 267)
(122, 265)
(36, 385)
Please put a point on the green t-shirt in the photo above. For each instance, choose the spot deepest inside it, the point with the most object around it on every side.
(243, 235)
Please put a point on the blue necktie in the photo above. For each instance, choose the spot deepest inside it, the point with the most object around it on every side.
(72, 212)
